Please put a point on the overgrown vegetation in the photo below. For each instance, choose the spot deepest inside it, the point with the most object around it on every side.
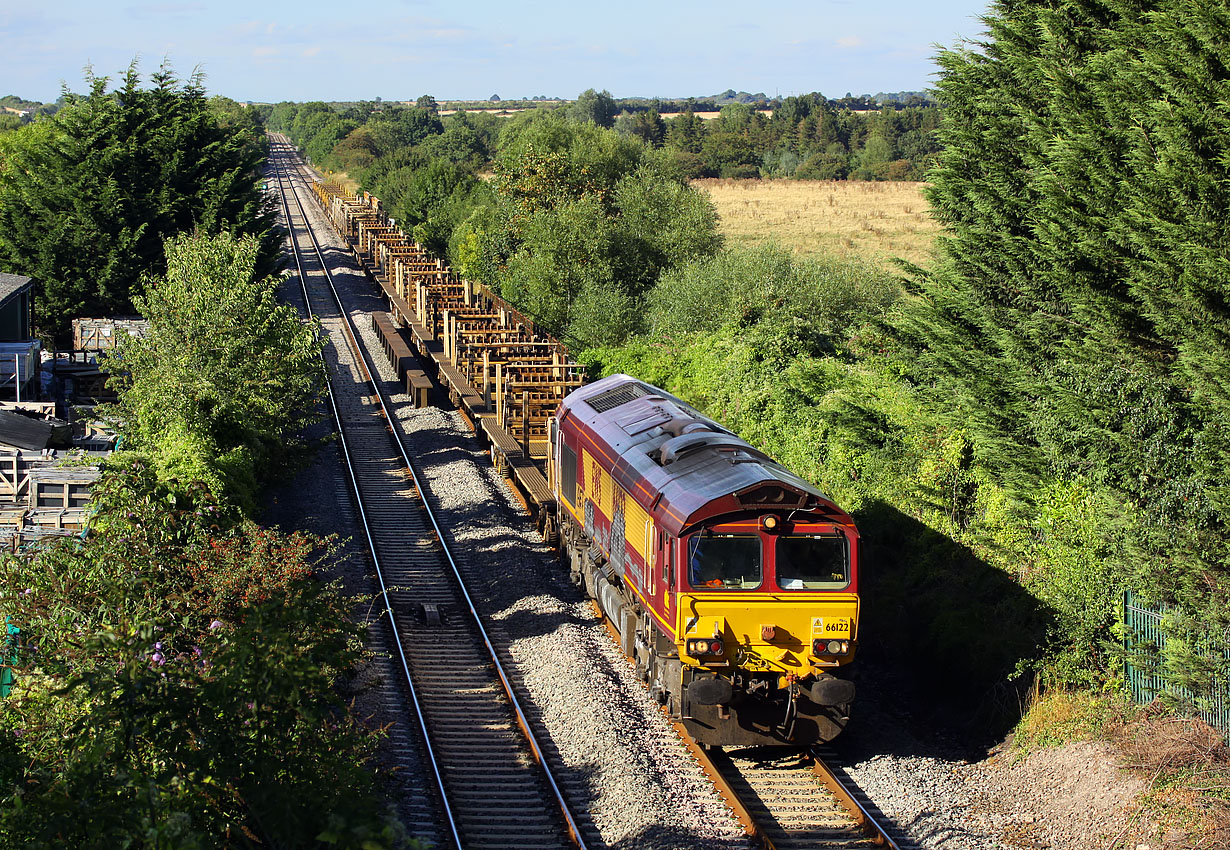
(1076, 321)
(176, 683)
(178, 665)
(579, 224)
(224, 381)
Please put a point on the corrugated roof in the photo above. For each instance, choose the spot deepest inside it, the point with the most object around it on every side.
(10, 285)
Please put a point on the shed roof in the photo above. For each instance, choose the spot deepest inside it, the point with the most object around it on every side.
(11, 284)
(24, 432)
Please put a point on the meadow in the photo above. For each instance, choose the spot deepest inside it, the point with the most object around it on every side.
(853, 218)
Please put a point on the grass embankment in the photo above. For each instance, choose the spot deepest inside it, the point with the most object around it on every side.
(1186, 764)
(853, 219)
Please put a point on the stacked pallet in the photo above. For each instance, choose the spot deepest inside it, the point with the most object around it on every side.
(39, 498)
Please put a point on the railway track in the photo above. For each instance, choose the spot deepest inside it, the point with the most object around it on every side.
(794, 800)
(492, 787)
(786, 800)
(791, 799)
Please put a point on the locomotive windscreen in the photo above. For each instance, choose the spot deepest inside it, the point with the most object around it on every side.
(724, 561)
(812, 562)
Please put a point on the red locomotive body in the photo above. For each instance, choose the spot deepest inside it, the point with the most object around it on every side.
(733, 583)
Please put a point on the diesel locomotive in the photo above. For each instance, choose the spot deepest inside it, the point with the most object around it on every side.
(732, 582)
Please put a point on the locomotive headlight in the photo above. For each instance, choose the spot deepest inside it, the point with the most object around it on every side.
(820, 646)
(699, 647)
(773, 524)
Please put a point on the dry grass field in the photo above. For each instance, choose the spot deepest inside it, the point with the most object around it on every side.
(855, 218)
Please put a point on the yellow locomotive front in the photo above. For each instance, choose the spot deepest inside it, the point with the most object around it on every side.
(767, 617)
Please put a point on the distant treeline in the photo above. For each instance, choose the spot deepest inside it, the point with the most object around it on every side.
(885, 137)
(14, 111)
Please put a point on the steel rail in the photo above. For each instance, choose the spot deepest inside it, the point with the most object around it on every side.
(522, 719)
(846, 797)
(871, 827)
(866, 821)
(371, 543)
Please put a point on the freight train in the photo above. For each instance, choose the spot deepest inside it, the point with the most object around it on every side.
(732, 582)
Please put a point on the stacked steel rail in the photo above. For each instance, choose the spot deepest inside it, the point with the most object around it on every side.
(502, 372)
(477, 740)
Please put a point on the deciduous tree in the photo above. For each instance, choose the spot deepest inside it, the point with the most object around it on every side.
(220, 387)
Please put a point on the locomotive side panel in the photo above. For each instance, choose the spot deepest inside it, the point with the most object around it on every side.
(622, 531)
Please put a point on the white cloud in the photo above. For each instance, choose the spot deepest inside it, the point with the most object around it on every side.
(848, 41)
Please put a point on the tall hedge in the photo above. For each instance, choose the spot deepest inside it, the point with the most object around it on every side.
(88, 197)
(1078, 320)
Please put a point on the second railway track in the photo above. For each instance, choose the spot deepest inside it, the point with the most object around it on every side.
(492, 792)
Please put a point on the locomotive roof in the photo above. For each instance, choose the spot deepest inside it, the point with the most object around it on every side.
(657, 444)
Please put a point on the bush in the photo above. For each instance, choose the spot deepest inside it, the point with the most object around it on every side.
(220, 387)
(175, 683)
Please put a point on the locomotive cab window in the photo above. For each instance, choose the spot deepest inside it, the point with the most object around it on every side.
(568, 474)
(812, 562)
(724, 561)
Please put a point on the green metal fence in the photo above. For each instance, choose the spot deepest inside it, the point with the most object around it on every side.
(1144, 636)
(8, 657)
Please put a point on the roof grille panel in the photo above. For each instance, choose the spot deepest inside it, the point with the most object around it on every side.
(613, 398)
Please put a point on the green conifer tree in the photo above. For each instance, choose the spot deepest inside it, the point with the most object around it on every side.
(87, 198)
(1078, 319)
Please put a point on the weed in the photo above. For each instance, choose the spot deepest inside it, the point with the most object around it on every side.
(1056, 717)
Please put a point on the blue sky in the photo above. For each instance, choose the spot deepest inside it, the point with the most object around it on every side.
(398, 49)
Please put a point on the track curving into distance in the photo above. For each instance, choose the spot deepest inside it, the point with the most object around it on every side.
(493, 787)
